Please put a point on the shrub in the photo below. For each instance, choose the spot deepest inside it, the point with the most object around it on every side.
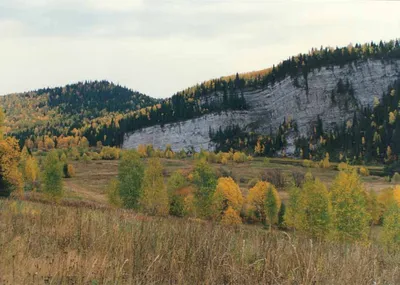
(325, 162)
(74, 154)
(86, 159)
(363, 171)
(109, 153)
(274, 176)
(252, 183)
(343, 166)
(211, 157)
(298, 178)
(94, 156)
(239, 157)
(68, 170)
(231, 217)
(396, 178)
(307, 163)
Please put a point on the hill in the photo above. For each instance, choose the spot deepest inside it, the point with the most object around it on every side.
(66, 110)
(340, 100)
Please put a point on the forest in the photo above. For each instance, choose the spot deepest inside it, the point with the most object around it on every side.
(101, 112)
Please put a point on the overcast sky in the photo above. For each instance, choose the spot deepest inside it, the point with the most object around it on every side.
(159, 47)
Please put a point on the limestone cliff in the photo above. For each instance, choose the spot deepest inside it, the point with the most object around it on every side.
(301, 98)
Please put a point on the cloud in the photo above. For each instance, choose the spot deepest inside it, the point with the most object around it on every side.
(161, 46)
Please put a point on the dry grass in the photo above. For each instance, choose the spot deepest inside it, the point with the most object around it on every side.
(50, 244)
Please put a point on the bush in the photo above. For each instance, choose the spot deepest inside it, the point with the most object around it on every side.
(396, 178)
(68, 170)
(110, 153)
(363, 171)
(94, 156)
(239, 157)
(298, 178)
(86, 159)
(274, 176)
(307, 163)
(252, 183)
(231, 217)
(343, 166)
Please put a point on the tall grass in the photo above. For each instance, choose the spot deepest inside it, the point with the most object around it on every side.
(73, 245)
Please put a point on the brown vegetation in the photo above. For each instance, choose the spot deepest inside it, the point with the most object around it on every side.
(58, 245)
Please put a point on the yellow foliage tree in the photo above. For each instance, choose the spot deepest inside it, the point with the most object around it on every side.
(259, 148)
(231, 217)
(142, 150)
(31, 173)
(10, 177)
(325, 162)
(311, 208)
(227, 195)
(155, 197)
(391, 223)
(257, 198)
(350, 218)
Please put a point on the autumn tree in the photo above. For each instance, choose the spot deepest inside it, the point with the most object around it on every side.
(31, 173)
(264, 201)
(178, 191)
(130, 177)
(391, 222)
(10, 176)
(272, 206)
(205, 182)
(52, 176)
(113, 193)
(310, 208)
(291, 218)
(227, 196)
(350, 218)
(155, 198)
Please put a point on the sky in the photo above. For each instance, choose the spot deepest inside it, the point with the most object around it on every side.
(159, 47)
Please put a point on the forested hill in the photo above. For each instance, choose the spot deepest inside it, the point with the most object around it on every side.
(106, 113)
(65, 110)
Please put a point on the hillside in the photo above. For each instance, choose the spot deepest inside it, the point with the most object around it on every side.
(289, 109)
(58, 111)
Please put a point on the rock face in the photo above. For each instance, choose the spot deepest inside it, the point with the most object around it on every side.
(302, 99)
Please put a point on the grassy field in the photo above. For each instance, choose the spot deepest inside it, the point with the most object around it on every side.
(92, 178)
(82, 240)
(53, 244)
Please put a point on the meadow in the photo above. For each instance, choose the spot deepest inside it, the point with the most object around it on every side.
(81, 239)
(92, 178)
(53, 244)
